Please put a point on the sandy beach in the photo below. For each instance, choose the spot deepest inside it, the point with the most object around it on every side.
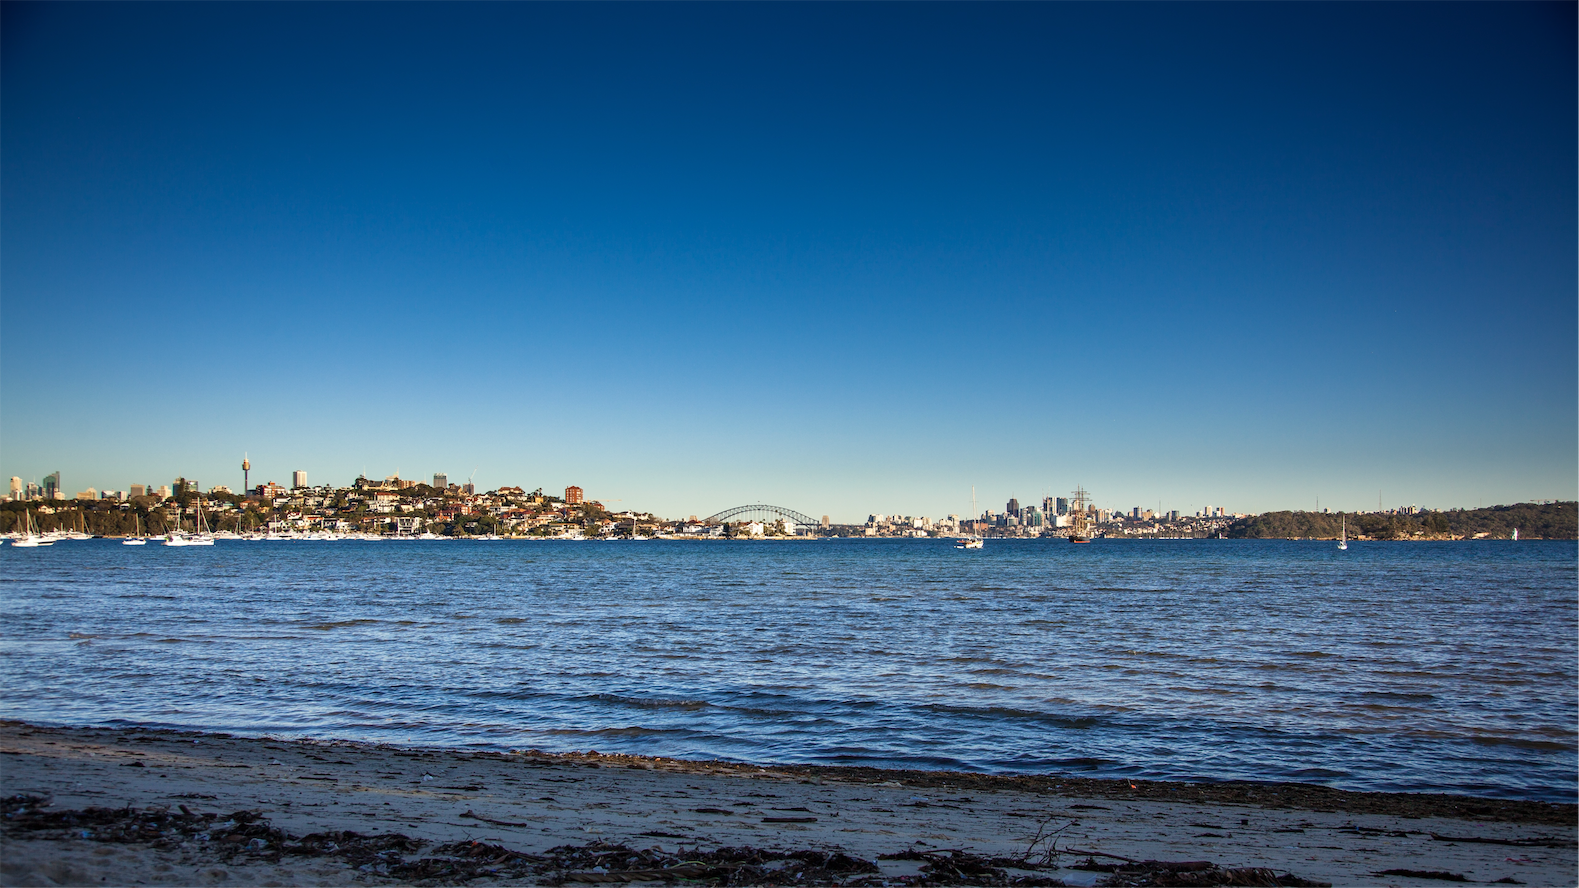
(183, 808)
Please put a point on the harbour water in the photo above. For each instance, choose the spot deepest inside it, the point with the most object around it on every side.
(1444, 667)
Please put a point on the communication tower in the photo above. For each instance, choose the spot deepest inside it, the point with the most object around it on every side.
(246, 468)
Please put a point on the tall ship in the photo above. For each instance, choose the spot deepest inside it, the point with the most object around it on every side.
(1080, 517)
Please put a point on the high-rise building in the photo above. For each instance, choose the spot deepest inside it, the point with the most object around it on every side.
(32, 490)
(573, 496)
(441, 481)
(16, 487)
(139, 490)
(1061, 506)
(298, 478)
(164, 491)
(52, 486)
(1013, 508)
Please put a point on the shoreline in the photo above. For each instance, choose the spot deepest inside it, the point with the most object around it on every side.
(532, 802)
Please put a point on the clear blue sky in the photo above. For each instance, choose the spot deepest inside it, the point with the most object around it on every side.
(842, 258)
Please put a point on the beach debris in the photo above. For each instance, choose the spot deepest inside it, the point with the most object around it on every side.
(957, 867)
(1190, 873)
(1537, 842)
(248, 835)
(1043, 849)
(472, 816)
(1439, 875)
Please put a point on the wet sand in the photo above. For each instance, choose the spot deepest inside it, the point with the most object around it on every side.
(532, 802)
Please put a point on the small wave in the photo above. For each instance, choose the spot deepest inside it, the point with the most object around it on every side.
(628, 731)
(1318, 774)
(1522, 743)
(648, 702)
(1074, 722)
(340, 624)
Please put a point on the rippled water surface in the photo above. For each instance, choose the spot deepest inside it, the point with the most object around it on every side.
(1443, 667)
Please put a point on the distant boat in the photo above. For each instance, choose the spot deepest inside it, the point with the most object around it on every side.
(974, 541)
(199, 536)
(1082, 521)
(136, 539)
(29, 539)
(1515, 533)
(1343, 534)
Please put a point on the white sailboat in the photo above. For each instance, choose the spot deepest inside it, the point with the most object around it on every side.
(29, 539)
(1343, 533)
(973, 541)
(199, 536)
(202, 537)
(1515, 533)
(136, 539)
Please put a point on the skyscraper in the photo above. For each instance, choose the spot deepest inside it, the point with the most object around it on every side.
(16, 487)
(1013, 508)
(298, 478)
(441, 481)
(52, 486)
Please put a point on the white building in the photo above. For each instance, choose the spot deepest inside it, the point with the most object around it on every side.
(298, 478)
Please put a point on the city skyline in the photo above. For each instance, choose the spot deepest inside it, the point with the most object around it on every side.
(573, 494)
(842, 258)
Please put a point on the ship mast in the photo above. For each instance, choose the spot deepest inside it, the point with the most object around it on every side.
(1081, 520)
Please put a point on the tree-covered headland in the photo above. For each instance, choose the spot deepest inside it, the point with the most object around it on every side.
(1535, 521)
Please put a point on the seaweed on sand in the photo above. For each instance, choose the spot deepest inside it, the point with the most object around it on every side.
(247, 835)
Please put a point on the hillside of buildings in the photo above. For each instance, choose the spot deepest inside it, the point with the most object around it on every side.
(397, 507)
(1535, 521)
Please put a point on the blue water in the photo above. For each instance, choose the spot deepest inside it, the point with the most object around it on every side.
(1397, 666)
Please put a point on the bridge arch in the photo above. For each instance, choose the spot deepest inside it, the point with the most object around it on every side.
(773, 513)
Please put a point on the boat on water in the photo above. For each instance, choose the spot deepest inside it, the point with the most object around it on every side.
(1515, 533)
(1080, 521)
(137, 538)
(974, 541)
(1343, 533)
(199, 535)
(29, 538)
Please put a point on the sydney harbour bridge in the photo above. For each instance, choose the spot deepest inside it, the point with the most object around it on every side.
(766, 514)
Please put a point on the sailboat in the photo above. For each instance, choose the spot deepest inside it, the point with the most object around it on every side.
(1082, 521)
(1515, 533)
(29, 539)
(199, 536)
(136, 539)
(974, 541)
(202, 537)
(1343, 533)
